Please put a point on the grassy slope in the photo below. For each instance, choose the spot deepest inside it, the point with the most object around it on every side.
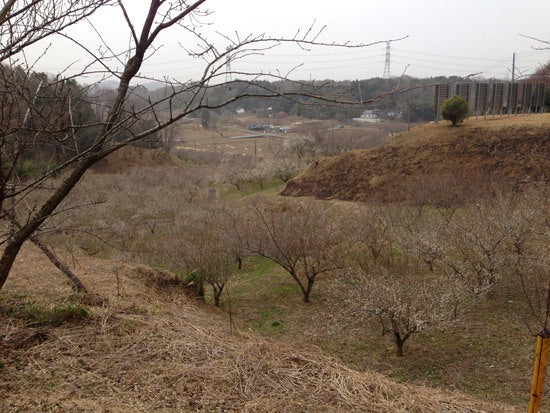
(152, 348)
(487, 352)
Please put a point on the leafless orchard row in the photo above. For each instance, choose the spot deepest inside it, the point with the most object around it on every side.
(411, 268)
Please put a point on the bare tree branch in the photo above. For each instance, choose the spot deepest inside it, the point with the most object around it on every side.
(74, 146)
(544, 42)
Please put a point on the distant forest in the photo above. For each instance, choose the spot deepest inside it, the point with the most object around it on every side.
(406, 97)
(409, 98)
(77, 109)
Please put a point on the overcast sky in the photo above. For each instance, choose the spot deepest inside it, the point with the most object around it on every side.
(445, 38)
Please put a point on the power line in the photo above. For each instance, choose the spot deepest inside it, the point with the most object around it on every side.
(524, 52)
(436, 61)
(349, 52)
(420, 61)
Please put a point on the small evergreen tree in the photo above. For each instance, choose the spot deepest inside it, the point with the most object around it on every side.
(455, 110)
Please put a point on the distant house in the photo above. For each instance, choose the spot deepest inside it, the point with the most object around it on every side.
(368, 116)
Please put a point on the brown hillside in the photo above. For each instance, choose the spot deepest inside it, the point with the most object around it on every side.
(149, 348)
(436, 162)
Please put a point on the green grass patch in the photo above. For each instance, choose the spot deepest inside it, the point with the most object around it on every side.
(258, 266)
(484, 353)
(33, 313)
(271, 186)
(287, 290)
(252, 277)
(58, 314)
(269, 321)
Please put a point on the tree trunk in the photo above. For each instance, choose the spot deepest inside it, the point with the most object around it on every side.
(8, 257)
(399, 349)
(199, 287)
(307, 291)
(64, 268)
(217, 295)
(399, 343)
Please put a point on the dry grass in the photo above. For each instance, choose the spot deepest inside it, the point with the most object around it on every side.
(150, 348)
(429, 159)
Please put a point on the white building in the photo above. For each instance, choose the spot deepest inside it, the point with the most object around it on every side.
(368, 116)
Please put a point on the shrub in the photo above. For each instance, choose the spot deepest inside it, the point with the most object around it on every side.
(455, 110)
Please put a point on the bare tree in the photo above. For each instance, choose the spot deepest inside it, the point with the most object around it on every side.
(404, 296)
(213, 247)
(22, 24)
(477, 251)
(40, 113)
(283, 163)
(422, 233)
(528, 266)
(305, 240)
(392, 281)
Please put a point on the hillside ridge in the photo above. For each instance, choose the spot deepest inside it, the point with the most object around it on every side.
(432, 159)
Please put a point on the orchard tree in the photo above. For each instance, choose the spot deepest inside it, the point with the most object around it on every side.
(477, 244)
(208, 250)
(403, 295)
(206, 243)
(285, 167)
(29, 200)
(304, 239)
(455, 110)
(392, 281)
(527, 271)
